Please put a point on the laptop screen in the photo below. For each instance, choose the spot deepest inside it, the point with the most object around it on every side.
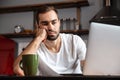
(103, 50)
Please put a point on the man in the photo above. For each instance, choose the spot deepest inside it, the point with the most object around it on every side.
(60, 52)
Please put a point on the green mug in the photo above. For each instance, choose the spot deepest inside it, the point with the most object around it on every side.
(29, 64)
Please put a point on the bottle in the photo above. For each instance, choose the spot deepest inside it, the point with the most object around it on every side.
(64, 24)
(61, 21)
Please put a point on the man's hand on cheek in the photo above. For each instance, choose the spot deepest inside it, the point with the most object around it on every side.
(41, 33)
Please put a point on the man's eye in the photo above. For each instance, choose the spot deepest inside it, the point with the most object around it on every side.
(45, 24)
(54, 22)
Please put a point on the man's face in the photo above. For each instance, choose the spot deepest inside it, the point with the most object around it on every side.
(50, 22)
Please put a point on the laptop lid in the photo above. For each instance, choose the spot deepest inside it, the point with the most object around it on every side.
(103, 50)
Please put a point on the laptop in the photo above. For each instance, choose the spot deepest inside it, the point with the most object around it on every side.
(103, 50)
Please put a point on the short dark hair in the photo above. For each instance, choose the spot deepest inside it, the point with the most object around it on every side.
(44, 9)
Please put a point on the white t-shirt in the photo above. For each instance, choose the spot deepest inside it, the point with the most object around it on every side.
(67, 60)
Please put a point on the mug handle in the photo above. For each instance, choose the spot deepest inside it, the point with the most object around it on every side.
(21, 65)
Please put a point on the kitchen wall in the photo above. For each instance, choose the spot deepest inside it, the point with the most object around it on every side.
(8, 21)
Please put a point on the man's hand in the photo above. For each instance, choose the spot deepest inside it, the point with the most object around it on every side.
(17, 70)
(41, 33)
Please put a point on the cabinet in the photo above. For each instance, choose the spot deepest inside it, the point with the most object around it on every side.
(108, 14)
(59, 5)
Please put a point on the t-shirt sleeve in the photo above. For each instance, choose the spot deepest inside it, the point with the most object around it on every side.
(80, 47)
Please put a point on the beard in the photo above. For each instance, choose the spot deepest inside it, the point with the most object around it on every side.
(52, 37)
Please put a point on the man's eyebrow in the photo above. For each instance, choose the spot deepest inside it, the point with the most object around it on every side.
(48, 21)
(44, 21)
(54, 20)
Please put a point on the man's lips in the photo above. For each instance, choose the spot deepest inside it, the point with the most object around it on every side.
(51, 32)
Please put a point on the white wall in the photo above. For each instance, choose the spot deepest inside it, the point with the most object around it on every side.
(8, 21)
(87, 13)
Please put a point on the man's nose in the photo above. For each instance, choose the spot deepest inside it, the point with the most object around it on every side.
(50, 26)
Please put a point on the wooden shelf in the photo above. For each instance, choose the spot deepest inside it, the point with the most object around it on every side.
(63, 4)
(78, 32)
(31, 35)
(18, 35)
